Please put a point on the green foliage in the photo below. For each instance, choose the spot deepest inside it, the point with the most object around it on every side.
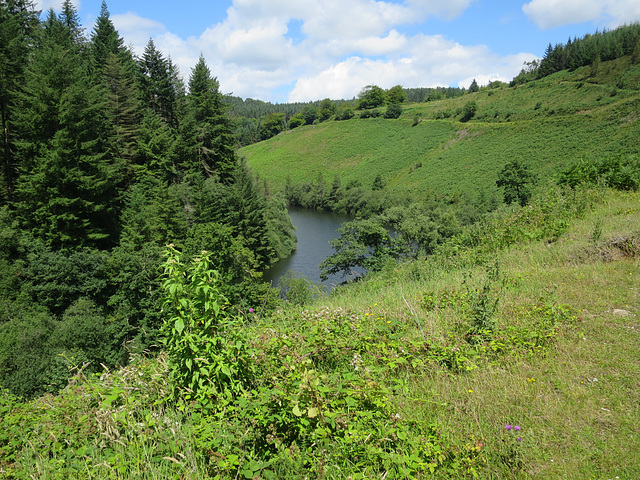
(207, 128)
(396, 95)
(516, 179)
(272, 125)
(296, 121)
(393, 111)
(205, 344)
(297, 290)
(590, 50)
(362, 243)
(370, 97)
(621, 173)
(326, 110)
(469, 111)
(310, 114)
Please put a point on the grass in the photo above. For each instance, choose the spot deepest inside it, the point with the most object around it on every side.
(548, 124)
(558, 363)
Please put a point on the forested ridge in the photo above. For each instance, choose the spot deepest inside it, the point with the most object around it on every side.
(107, 158)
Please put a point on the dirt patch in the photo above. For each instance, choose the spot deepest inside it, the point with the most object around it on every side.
(461, 134)
(618, 248)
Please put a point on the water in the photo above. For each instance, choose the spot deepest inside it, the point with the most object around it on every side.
(314, 230)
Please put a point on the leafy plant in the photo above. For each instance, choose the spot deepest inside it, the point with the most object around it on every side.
(206, 346)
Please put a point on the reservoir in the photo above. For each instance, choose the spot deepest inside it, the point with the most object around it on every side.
(314, 229)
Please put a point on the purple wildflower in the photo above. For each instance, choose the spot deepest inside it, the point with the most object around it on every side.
(251, 310)
(519, 439)
(508, 427)
(517, 427)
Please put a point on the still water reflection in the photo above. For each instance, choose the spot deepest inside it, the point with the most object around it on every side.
(314, 230)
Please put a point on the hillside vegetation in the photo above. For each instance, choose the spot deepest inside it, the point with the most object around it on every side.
(488, 339)
(548, 124)
(515, 357)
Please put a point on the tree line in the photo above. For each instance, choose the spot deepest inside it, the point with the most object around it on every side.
(107, 158)
(589, 50)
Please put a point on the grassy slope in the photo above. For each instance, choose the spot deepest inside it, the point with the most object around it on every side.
(577, 399)
(548, 124)
(579, 404)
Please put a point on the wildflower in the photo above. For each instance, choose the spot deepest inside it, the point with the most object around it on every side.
(519, 439)
(251, 310)
(517, 427)
(508, 427)
(470, 391)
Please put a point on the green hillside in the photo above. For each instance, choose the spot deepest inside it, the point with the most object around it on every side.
(547, 124)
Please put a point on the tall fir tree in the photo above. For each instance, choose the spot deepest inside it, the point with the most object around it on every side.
(105, 40)
(160, 84)
(18, 25)
(66, 188)
(208, 131)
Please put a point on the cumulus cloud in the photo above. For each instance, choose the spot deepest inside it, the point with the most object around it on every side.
(336, 48)
(137, 30)
(430, 61)
(56, 5)
(555, 13)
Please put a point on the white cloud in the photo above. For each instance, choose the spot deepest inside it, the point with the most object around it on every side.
(45, 5)
(430, 61)
(341, 46)
(137, 30)
(555, 13)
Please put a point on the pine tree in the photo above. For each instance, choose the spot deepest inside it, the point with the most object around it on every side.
(208, 131)
(66, 192)
(161, 87)
(18, 24)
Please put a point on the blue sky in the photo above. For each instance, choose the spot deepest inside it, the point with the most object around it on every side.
(301, 50)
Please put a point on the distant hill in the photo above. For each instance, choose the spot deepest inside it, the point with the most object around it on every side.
(548, 123)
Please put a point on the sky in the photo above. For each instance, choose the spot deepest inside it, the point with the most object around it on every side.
(304, 50)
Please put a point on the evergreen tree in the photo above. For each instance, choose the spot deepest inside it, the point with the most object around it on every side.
(105, 40)
(123, 112)
(247, 215)
(160, 85)
(208, 131)
(71, 21)
(66, 194)
(18, 23)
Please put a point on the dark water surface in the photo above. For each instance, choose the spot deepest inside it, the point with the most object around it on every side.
(314, 230)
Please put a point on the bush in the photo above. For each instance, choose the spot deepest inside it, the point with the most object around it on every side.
(621, 173)
(393, 111)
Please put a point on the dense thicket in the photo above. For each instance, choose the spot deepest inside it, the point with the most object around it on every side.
(107, 158)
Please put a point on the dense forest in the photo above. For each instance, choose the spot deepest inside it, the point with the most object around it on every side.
(107, 158)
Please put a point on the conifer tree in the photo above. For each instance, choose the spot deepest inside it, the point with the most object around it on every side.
(18, 23)
(106, 41)
(66, 189)
(208, 131)
(161, 87)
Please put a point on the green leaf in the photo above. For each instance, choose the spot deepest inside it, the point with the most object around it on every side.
(179, 325)
(296, 410)
(312, 412)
